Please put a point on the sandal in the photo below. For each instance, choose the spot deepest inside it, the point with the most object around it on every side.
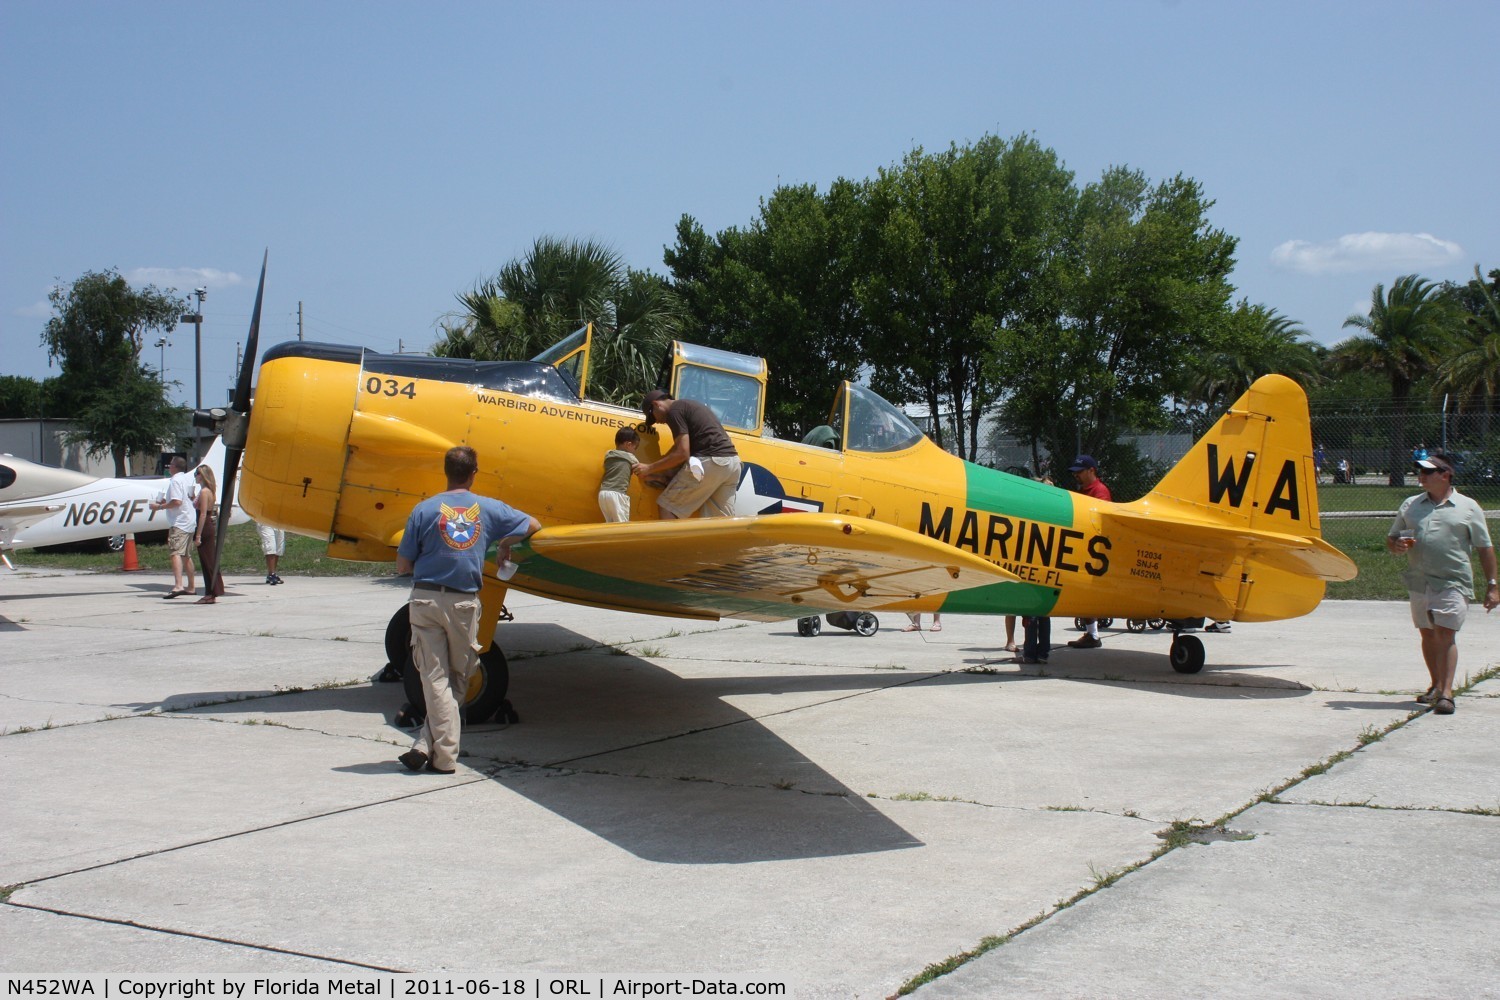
(912, 628)
(1427, 697)
(936, 628)
(1011, 647)
(1443, 706)
(174, 593)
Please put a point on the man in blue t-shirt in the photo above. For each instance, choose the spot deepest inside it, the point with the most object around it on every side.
(443, 550)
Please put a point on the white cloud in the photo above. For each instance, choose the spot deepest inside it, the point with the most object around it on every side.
(37, 310)
(182, 278)
(1375, 252)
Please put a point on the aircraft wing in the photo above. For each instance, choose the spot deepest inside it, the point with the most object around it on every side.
(21, 516)
(1305, 556)
(766, 568)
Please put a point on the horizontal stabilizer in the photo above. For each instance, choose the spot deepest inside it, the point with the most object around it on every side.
(1305, 555)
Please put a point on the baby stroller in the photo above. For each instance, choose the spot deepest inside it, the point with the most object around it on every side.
(860, 621)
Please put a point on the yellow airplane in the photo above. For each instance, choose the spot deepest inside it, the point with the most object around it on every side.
(345, 441)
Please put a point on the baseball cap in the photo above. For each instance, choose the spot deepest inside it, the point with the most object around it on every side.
(1430, 466)
(650, 398)
(1083, 462)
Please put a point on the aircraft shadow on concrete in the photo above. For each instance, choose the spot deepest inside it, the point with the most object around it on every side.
(660, 765)
(1130, 666)
(665, 768)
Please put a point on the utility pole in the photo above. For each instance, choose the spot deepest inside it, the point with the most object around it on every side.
(196, 318)
(299, 319)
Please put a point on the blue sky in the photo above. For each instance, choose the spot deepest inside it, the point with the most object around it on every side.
(391, 154)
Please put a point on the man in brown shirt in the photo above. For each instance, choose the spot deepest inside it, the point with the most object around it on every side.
(708, 467)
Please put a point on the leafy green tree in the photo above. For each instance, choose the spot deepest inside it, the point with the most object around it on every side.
(20, 397)
(1142, 285)
(781, 289)
(97, 335)
(1406, 332)
(555, 288)
(960, 250)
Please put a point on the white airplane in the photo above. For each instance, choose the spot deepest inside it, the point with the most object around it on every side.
(44, 505)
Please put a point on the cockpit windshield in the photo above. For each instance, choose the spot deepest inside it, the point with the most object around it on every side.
(872, 424)
(569, 358)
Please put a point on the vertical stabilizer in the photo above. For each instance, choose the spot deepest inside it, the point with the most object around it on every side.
(1254, 468)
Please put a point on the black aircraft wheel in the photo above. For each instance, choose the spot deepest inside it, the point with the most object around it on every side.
(397, 644)
(486, 694)
(1187, 654)
(866, 624)
(1136, 624)
(809, 626)
(1156, 624)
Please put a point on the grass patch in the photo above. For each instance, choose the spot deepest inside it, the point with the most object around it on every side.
(242, 555)
(1372, 497)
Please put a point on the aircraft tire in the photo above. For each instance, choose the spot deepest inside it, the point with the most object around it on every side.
(809, 627)
(1187, 654)
(397, 643)
(486, 691)
(1136, 624)
(116, 543)
(866, 624)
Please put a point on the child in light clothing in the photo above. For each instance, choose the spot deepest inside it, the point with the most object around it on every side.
(614, 498)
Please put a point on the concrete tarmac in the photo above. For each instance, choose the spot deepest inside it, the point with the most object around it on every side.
(193, 789)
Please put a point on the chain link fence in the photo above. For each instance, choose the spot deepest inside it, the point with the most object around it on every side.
(1364, 453)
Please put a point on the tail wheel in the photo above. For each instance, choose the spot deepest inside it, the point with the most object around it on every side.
(866, 624)
(486, 694)
(1187, 654)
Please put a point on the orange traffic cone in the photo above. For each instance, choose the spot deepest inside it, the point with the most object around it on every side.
(131, 565)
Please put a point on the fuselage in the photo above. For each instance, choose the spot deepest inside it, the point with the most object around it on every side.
(343, 443)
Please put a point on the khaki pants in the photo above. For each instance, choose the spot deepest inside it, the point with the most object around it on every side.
(445, 652)
(714, 493)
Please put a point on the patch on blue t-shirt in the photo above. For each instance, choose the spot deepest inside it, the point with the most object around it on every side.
(458, 526)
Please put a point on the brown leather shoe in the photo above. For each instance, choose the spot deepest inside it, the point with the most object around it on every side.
(1443, 706)
(1086, 642)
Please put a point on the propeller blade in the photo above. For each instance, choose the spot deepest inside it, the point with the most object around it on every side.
(237, 423)
(247, 366)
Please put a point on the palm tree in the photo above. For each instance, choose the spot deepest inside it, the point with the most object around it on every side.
(1406, 332)
(1473, 371)
(557, 287)
(1255, 341)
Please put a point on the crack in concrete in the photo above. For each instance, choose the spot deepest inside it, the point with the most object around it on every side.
(200, 937)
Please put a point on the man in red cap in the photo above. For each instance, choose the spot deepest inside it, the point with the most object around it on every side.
(707, 464)
(1086, 472)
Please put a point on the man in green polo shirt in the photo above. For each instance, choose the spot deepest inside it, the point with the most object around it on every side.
(1435, 531)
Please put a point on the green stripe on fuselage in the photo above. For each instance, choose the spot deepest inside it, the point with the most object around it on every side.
(989, 491)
